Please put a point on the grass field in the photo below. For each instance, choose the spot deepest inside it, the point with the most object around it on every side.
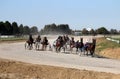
(103, 43)
(116, 38)
(108, 48)
(12, 39)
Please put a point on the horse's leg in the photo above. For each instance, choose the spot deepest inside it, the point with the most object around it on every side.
(59, 49)
(42, 46)
(63, 48)
(71, 49)
(56, 49)
(31, 45)
(36, 45)
(50, 48)
(87, 50)
(45, 47)
(39, 45)
(83, 50)
(66, 46)
(76, 50)
(28, 46)
(92, 52)
(25, 45)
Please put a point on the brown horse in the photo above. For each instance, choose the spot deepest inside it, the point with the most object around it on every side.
(59, 43)
(29, 44)
(89, 48)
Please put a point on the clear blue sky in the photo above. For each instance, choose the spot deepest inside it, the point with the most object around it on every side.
(78, 14)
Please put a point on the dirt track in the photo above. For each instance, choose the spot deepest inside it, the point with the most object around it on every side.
(16, 51)
(18, 70)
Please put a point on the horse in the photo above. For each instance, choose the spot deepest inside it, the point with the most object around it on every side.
(37, 45)
(44, 43)
(89, 48)
(60, 43)
(29, 44)
(79, 46)
(37, 42)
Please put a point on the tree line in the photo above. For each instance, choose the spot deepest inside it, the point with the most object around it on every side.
(7, 28)
(101, 30)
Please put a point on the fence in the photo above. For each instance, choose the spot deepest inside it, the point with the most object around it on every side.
(114, 40)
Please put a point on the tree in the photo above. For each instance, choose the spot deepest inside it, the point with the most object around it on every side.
(102, 30)
(92, 31)
(34, 30)
(85, 31)
(113, 31)
(21, 29)
(53, 28)
(2, 28)
(26, 30)
(118, 31)
(15, 28)
(41, 31)
(5, 28)
(8, 28)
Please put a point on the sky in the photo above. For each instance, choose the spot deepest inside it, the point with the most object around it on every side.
(78, 14)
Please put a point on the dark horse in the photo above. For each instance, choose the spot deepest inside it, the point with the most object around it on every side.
(79, 45)
(29, 43)
(89, 48)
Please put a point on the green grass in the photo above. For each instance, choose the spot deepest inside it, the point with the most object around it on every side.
(12, 39)
(102, 44)
(116, 38)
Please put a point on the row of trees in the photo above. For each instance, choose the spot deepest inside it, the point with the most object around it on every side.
(56, 29)
(7, 28)
(101, 30)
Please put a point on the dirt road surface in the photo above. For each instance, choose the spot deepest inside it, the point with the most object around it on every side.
(16, 51)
